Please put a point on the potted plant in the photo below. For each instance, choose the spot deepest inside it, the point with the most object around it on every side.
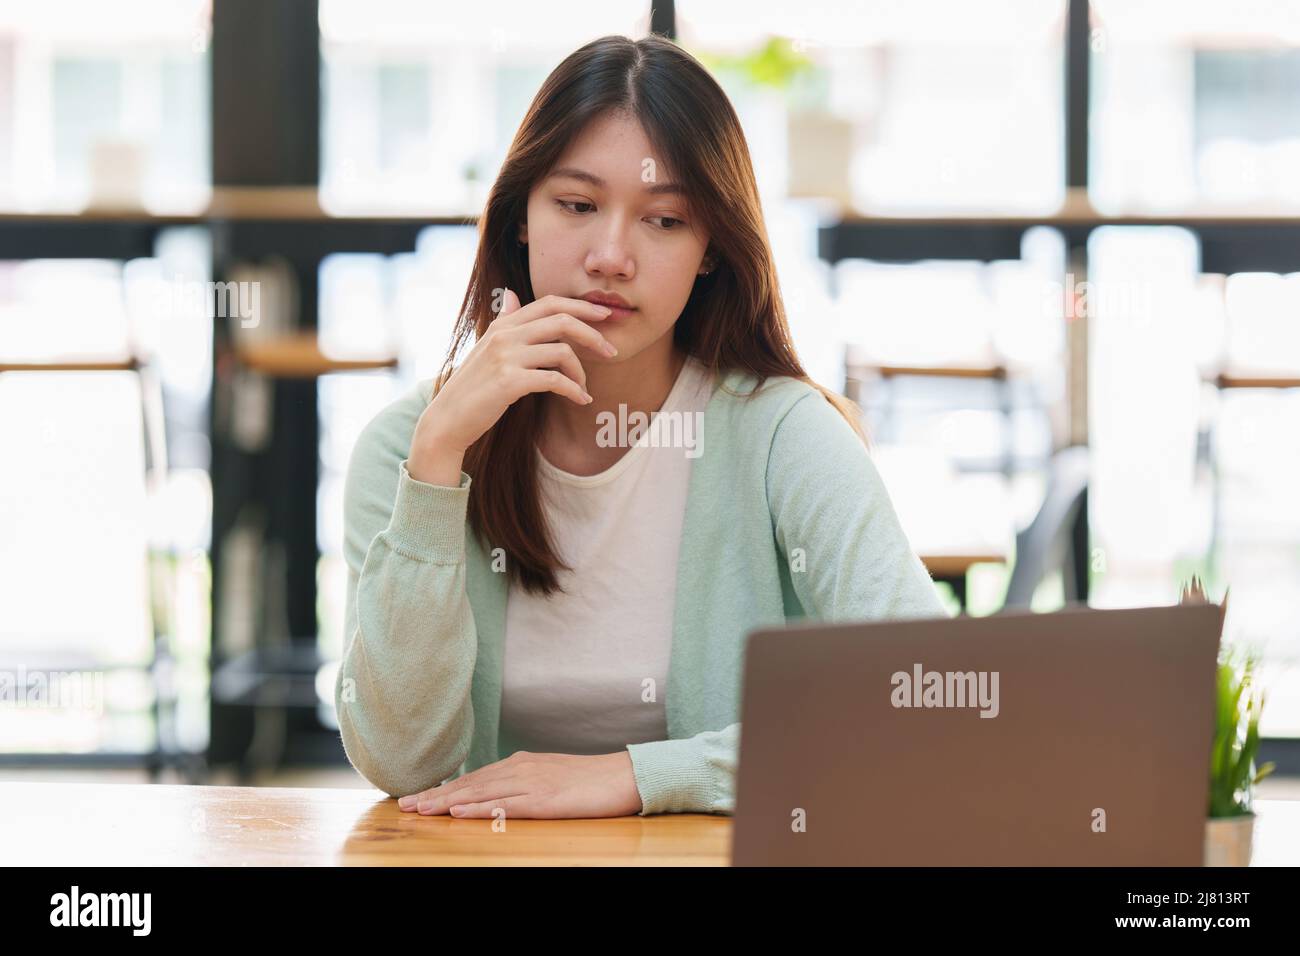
(1229, 831)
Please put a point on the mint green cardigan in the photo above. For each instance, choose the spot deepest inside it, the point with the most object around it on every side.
(786, 517)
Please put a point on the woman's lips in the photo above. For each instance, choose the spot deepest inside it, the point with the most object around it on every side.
(610, 300)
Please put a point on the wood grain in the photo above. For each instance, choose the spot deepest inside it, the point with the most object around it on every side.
(60, 824)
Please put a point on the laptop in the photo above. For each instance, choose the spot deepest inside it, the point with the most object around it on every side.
(1078, 738)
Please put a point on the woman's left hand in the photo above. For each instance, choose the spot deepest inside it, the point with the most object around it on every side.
(538, 786)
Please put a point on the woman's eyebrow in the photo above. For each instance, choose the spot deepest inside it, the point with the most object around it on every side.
(586, 177)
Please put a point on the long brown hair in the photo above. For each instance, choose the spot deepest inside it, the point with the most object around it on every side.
(689, 120)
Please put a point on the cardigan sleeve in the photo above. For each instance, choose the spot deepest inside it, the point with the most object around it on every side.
(691, 775)
(826, 498)
(839, 535)
(403, 687)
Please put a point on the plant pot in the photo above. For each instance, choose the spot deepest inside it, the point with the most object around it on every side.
(1228, 840)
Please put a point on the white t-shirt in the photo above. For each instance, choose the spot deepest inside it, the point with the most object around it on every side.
(586, 671)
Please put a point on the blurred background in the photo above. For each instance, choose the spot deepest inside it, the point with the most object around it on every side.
(1052, 247)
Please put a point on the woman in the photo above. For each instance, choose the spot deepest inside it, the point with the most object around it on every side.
(550, 606)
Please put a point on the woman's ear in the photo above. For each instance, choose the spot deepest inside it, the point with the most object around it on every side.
(523, 234)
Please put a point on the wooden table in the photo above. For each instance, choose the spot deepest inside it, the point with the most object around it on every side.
(72, 824)
(62, 824)
(302, 355)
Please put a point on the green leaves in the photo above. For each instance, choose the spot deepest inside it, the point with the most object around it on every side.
(775, 63)
(1236, 737)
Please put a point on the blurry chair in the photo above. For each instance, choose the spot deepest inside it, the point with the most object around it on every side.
(1057, 538)
(167, 751)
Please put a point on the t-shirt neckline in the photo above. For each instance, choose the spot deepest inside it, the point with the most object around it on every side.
(689, 371)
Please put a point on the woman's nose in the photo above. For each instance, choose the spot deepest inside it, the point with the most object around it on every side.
(611, 256)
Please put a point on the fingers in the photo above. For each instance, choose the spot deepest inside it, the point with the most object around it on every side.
(412, 800)
(543, 380)
(481, 775)
(566, 326)
(546, 305)
(557, 355)
(509, 303)
(489, 790)
(519, 807)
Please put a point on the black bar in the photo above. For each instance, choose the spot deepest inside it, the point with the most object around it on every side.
(1077, 62)
(1081, 552)
(311, 241)
(1262, 248)
(266, 132)
(1283, 751)
(45, 239)
(265, 93)
(912, 242)
(663, 18)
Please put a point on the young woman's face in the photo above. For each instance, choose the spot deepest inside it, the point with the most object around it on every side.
(609, 219)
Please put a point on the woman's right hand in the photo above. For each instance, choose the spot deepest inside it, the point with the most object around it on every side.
(525, 349)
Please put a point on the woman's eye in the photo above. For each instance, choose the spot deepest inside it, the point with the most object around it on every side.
(567, 203)
(668, 223)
